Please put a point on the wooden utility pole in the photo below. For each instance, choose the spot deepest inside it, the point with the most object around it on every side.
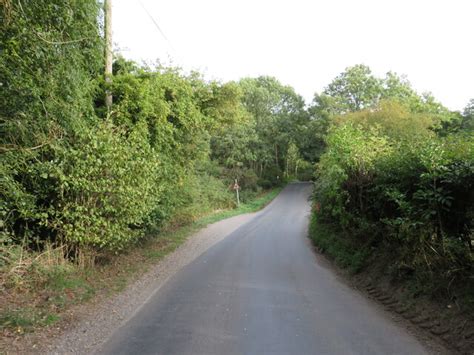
(108, 50)
(237, 188)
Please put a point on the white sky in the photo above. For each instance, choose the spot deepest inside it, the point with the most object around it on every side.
(306, 43)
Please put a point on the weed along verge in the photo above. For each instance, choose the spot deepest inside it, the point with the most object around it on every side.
(44, 293)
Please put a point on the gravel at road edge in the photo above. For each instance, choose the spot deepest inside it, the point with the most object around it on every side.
(100, 321)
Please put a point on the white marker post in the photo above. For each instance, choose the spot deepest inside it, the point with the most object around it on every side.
(236, 188)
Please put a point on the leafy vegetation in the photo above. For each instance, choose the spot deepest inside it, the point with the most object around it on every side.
(397, 180)
(92, 179)
(79, 181)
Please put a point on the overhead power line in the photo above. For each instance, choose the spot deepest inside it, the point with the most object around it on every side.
(156, 24)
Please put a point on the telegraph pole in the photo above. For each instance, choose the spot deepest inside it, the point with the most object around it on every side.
(237, 188)
(108, 49)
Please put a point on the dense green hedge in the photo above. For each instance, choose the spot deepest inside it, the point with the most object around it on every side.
(73, 173)
(51, 53)
(389, 183)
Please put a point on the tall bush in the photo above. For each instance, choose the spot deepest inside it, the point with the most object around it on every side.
(51, 53)
(389, 182)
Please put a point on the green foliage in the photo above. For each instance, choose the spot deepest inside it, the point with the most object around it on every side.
(50, 55)
(107, 185)
(249, 206)
(312, 137)
(275, 116)
(357, 89)
(76, 174)
(387, 181)
(353, 90)
(467, 121)
(343, 250)
(24, 319)
(393, 120)
(234, 147)
(293, 161)
(201, 194)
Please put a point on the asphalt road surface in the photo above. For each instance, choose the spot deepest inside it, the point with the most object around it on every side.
(262, 290)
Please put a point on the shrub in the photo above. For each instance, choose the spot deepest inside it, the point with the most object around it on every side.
(389, 182)
(107, 184)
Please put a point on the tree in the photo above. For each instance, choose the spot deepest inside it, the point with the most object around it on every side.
(354, 89)
(398, 88)
(279, 114)
(232, 147)
(467, 122)
(292, 160)
(311, 141)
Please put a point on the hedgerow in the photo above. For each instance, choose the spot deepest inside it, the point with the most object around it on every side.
(391, 184)
(79, 175)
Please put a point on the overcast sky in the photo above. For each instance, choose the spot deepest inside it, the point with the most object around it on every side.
(306, 43)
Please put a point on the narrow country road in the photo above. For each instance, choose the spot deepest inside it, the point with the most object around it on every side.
(261, 291)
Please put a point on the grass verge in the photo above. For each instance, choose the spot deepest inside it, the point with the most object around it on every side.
(254, 205)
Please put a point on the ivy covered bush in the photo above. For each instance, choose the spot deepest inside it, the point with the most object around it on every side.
(74, 173)
(51, 55)
(107, 184)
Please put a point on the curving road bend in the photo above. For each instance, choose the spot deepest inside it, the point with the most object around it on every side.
(261, 291)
